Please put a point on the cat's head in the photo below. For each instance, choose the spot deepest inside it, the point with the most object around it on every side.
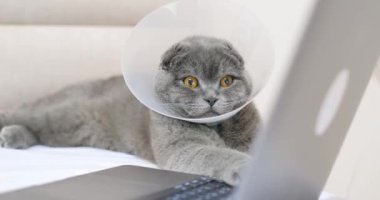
(202, 77)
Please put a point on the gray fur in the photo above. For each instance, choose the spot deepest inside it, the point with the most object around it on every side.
(104, 114)
(208, 59)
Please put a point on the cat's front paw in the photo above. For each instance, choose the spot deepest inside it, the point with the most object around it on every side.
(16, 137)
(231, 174)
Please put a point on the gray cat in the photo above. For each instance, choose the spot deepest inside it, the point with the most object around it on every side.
(199, 77)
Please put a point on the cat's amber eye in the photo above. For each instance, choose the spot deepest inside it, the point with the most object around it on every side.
(226, 81)
(190, 82)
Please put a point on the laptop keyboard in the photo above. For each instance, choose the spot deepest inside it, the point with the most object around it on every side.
(203, 188)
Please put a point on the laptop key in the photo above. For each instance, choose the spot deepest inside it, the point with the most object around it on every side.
(203, 188)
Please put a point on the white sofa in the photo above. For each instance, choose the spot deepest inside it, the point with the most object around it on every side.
(47, 44)
(76, 12)
(36, 60)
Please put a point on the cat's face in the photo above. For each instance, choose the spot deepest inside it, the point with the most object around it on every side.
(202, 77)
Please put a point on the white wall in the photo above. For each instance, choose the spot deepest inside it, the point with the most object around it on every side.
(356, 174)
(377, 72)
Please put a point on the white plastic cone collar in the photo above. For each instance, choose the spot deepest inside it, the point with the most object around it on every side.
(158, 31)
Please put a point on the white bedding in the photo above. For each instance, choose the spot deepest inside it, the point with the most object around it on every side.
(40, 164)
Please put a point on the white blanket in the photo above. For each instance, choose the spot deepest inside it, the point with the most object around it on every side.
(40, 164)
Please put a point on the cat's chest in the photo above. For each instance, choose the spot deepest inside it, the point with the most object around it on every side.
(234, 135)
(226, 132)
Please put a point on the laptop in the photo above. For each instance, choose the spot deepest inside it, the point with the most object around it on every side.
(310, 115)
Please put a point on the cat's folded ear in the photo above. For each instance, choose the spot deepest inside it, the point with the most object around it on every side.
(172, 56)
(234, 54)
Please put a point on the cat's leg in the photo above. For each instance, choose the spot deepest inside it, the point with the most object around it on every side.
(193, 148)
(71, 125)
(221, 163)
(57, 125)
(16, 137)
(13, 135)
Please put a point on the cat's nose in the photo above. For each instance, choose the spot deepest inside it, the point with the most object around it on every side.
(211, 101)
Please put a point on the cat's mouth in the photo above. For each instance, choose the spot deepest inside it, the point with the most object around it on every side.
(206, 111)
(203, 114)
(210, 113)
(190, 110)
(197, 113)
